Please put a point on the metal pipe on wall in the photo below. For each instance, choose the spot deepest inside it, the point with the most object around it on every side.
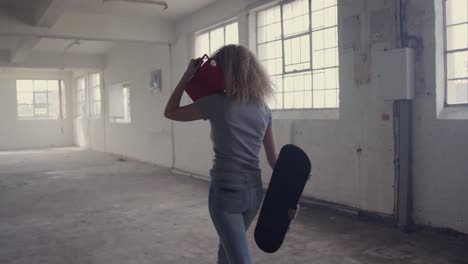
(402, 128)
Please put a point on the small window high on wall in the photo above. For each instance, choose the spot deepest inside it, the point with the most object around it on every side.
(119, 103)
(456, 50)
(297, 42)
(208, 41)
(40, 99)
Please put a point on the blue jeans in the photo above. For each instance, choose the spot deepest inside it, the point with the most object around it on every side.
(233, 205)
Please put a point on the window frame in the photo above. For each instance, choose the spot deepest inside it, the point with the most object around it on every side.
(124, 119)
(83, 112)
(92, 99)
(34, 117)
(446, 52)
(309, 32)
(208, 30)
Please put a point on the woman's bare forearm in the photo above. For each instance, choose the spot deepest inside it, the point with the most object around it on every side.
(176, 97)
(270, 146)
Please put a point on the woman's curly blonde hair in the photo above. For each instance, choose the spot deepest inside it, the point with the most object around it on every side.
(245, 78)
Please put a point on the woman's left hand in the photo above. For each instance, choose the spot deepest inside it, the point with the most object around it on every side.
(293, 213)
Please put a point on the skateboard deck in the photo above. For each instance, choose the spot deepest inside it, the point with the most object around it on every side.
(292, 170)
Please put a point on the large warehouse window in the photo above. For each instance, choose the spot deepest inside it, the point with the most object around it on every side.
(39, 99)
(95, 92)
(297, 42)
(119, 103)
(456, 32)
(208, 41)
(81, 96)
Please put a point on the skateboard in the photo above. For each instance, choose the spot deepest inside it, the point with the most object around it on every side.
(291, 172)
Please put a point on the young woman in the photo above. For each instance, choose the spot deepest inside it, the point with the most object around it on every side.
(240, 124)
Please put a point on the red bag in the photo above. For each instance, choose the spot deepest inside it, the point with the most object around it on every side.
(207, 80)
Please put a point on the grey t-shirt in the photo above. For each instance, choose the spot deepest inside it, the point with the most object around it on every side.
(237, 131)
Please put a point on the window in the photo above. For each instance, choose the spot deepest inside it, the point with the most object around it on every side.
(40, 99)
(297, 42)
(120, 103)
(81, 96)
(456, 50)
(209, 41)
(95, 91)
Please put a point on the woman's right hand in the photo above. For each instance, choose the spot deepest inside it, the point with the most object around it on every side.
(192, 68)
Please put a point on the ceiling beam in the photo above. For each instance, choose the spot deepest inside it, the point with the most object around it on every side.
(96, 28)
(48, 12)
(45, 14)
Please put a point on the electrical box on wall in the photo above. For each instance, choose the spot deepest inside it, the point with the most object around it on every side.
(393, 73)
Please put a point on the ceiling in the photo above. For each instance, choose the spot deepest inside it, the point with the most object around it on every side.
(38, 15)
(176, 8)
(85, 47)
(9, 43)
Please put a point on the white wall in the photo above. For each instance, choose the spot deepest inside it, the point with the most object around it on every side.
(340, 174)
(440, 144)
(148, 136)
(24, 134)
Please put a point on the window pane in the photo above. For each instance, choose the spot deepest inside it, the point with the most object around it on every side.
(96, 108)
(297, 53)
(261, 35)
(40, 111)
(126, 103)
(25, 111)
(52, 85)
(318, 80)
(24, 98)
(273, 32)
(317, 5)
(53, 98)
(330, 56)
(457, 92)
(261, 18)
(97, 93)
(53, 111)
(298, 83)
(331, 78)
(288, 83)
(296, 17)
(288, 100)
(317, 40)
(232, 34)
(95, 79)
(318, 59)
(308, 99)
(24, 85)
(40, 98)
(457, 11)
(317, 20)
(327, 3)
(457, 65)
(40, 86)
(262, 52)
(202, 45)
(216, 39)
(330, 39)
(330, 16)
(64, 99)
(319, 99)
(330, 98)
(299, 100)
(278, 84)
(457, 37)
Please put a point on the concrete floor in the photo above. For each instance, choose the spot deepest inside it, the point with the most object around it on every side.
(75, 206)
